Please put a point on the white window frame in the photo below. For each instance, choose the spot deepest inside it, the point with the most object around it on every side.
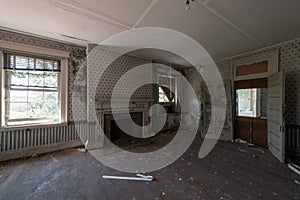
(39, 51)
(165, 71)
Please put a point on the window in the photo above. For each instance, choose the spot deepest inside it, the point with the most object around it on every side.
(248, 102)
(166, 86)
(32, 89)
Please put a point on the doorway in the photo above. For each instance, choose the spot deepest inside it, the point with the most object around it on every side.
(251, 103)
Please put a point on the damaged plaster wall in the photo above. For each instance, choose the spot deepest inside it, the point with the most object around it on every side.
(203, 96)
(289, 61)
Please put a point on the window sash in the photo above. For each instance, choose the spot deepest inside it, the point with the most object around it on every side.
(31, 88)
(10, 63)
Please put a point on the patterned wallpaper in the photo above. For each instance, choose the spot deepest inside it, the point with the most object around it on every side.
(289, 60)
(114, 71)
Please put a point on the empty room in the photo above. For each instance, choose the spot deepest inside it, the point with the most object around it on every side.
(150, 99)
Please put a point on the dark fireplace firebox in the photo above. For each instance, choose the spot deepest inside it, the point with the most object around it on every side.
(112, 130)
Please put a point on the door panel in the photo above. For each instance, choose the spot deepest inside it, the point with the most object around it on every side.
(275, 115)
(244, 128)
(259, 132)
(260, 83)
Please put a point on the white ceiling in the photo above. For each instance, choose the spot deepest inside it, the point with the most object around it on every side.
(224, 27)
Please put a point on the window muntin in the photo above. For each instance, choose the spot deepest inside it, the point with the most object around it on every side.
(32, 90)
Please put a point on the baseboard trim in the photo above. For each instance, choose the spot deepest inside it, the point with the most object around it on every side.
(27, 152)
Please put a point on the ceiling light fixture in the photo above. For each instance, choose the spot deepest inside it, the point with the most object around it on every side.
(187, 4)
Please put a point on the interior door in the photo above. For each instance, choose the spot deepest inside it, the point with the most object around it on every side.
(276, 140)
(251, 102)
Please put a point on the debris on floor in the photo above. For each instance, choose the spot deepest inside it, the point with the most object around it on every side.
(260, 150)
(34, 156)
(138, 177)
(243, 142)
(295, 168)
(81, 150)
(54, 159)
(240, 141)
(86, 144)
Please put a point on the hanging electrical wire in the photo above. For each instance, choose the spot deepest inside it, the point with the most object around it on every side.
(187, 4)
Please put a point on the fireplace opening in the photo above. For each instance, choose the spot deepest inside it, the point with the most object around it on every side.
(129, 142)
(113, 131)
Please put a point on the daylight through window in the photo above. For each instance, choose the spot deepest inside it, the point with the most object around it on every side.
(166, 86)
(32, 90)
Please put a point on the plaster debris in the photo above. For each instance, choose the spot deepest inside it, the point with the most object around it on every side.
(297, 182)
(259, 150)
(53, 159)
(241, 141)
(34, 156)
(295, 168)
(81, 150)
(242, 150)
(86, 144)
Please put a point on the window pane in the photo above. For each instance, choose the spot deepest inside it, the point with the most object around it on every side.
(18, 96)
(12, 62)
(247, 102)
(17, 110)
(31, 63)
(52, 110)
(48, 65)
(22, 62)
(36, 79)
(162, 96)
(56, 65)
(19, 78)
(35, 96)
(51, 97)
(39, 64)
(51, 79)
(35, 110)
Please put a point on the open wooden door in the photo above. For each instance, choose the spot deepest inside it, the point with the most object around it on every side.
(276, 139)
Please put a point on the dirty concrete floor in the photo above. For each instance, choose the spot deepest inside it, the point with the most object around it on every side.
(230, 171)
